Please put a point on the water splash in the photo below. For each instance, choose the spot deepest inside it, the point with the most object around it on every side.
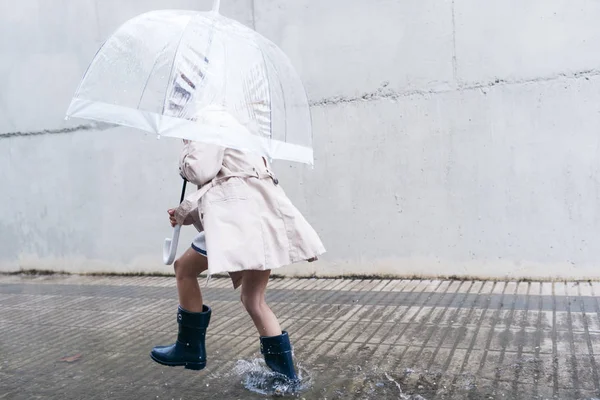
(402, 395)
(259, 378)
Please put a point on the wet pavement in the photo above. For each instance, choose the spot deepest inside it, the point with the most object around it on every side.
(83, 337)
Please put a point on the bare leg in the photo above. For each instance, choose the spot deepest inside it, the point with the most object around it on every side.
(187, 269)
(254, 285)
(189, 350)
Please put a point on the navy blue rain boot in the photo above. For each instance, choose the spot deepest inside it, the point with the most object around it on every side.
(278, 354)
(189, 350)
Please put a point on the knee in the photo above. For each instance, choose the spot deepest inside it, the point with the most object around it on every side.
(252, 304)
(181, 272)
(177, 268)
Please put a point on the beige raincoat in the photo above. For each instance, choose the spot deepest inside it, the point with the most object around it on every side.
(249, 222)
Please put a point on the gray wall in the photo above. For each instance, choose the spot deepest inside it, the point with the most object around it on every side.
(452, 138)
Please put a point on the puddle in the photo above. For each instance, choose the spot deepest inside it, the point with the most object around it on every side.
(256, 377)
(329, 380)
(259, 378)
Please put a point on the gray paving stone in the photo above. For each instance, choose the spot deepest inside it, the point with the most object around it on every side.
(363, 339)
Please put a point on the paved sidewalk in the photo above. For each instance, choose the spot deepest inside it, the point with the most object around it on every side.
(78, 337)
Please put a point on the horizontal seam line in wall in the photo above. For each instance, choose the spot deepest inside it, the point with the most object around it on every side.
(78, 128)
(380, 94)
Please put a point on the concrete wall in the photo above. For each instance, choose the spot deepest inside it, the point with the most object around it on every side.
(452, 138)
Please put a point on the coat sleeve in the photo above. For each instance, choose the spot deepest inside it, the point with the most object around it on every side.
(200, 162)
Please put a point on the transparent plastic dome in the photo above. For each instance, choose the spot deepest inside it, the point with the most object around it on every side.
(199, 76)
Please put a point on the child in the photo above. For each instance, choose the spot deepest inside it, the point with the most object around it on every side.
(247, 227)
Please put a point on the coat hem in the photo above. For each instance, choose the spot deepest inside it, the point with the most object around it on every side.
(292, 262)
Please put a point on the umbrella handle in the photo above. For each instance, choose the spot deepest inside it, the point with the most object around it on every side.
(170, 246)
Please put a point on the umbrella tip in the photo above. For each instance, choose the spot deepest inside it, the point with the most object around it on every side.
(216, 5)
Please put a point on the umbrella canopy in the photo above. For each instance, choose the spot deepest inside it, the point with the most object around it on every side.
(199, 76)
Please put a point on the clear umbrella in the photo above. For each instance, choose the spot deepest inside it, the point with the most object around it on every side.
(199, 76)
(202, 77)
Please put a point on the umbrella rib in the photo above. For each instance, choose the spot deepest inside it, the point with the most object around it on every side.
(88, 68)
(173, 63)
(269, 94)
(285, 128)
(150, 76)
(271, 98)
